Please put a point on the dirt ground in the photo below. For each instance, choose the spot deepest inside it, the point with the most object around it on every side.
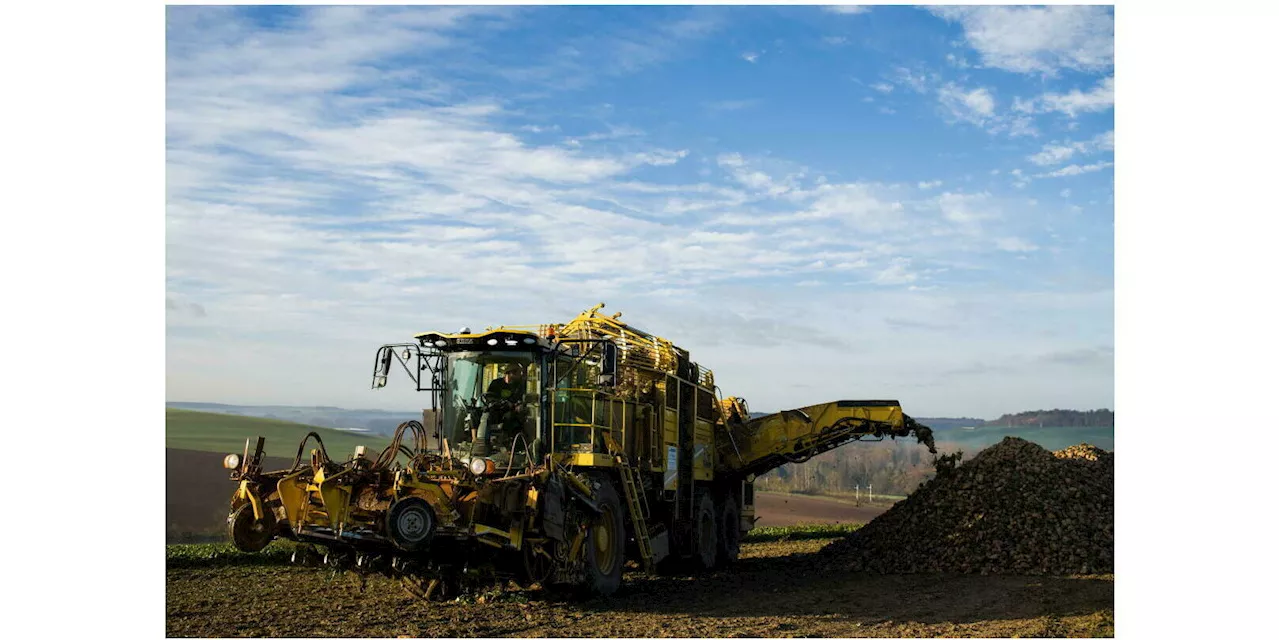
(197, 492)
(778, 589)
(786, 509)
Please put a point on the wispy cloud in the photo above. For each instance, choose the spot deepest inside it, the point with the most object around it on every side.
(1072, 103)
(1038, 39)
(847, 9)
(750, 56)
(1075, 170)
(1059, 152)
(347, 175)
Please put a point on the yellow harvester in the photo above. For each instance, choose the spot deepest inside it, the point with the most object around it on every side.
(551, 454)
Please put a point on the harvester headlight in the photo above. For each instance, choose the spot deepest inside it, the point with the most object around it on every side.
(492, 341)
(232, 461)
(441, 343)
(481, 466)
(529, 341)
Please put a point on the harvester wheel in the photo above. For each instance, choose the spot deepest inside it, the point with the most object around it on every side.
(605, 544)
(246, 532)
(410, 523)
(730, 532)
(706, 526)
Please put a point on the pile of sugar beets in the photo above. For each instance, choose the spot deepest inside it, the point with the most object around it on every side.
(1015, 508)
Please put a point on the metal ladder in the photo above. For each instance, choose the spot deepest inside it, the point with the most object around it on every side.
(636, 503)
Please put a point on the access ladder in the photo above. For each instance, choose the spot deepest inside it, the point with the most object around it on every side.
(636, 503)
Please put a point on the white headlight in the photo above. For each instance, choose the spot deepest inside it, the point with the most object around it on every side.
(441, 343)
(232, 461)
(479, 466)
(529, 341)
(492, 341)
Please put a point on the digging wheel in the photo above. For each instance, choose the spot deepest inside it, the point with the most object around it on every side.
(605, 542)
(730, 532)
(706, 526)
(410, 523)
(247, 533)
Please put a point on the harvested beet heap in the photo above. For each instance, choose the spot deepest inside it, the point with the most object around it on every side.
(1014, 508)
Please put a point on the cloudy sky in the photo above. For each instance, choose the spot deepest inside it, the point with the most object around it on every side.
(818, 203)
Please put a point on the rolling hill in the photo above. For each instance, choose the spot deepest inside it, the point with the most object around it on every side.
(222, 433)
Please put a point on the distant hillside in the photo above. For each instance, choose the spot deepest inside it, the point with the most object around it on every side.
(200, 431)
(950, 423)
(367, 420)
(1057, 418)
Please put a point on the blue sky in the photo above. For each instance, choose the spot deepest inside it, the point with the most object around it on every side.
(819, 204)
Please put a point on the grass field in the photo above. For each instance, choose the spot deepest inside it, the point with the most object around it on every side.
(221, 433)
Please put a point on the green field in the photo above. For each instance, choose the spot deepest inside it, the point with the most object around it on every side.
(199, 431)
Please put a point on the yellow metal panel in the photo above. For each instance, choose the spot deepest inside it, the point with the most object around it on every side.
(671, 426)
(586, 459)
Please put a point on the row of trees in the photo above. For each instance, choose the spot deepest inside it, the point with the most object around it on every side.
(889, 467)
(1057, 418)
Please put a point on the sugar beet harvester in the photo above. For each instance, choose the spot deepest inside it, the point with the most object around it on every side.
(551, 454)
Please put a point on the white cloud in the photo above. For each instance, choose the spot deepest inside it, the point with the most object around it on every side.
(1059, 152)
(847, 9)
(975, 106)
(1101, 97)
(835, 40)
(924, 186)
(1075, 170)
(1015, 245)
(299, 214)
(883, 87)
(750, 56)
(1038, 39)
(916, 81)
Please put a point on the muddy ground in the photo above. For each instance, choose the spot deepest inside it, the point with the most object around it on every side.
(197, 492)
(778, 589)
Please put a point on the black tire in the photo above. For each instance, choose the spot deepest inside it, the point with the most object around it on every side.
(706, 527)
(246, 532)
(730, 532)
(606, 543)
(410, 523)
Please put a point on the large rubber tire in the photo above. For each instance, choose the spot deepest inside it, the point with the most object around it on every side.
(606, 543)
(410, 524)
(706, 527)
(246, 532)
(730, 532)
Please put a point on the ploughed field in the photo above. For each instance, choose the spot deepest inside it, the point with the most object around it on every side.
(1017, 541)
(782, 586)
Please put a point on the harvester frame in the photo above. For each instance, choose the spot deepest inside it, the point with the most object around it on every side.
(550, 454)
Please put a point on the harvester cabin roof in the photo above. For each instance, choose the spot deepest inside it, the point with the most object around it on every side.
(489, 339)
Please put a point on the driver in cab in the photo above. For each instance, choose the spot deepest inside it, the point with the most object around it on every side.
(509, 390)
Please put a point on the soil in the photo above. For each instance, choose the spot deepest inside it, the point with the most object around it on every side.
(786, 509)
(779, 588)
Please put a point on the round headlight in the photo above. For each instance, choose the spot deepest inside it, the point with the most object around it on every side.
(441, 343)
(232, 461)
(492, 341)
(479, 466)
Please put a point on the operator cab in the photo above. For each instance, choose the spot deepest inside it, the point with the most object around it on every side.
(490, 409)
(494, 393)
